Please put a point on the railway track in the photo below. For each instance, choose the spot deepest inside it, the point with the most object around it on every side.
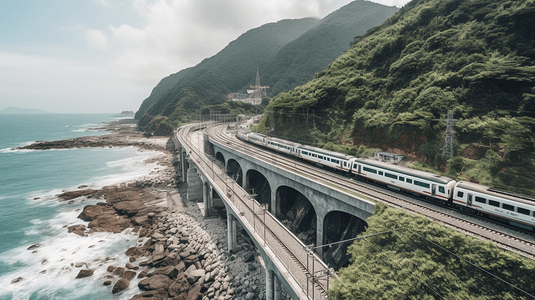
(312, 287)
(470, 225)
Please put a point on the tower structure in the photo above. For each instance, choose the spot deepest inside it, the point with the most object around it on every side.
(449, 135)
(256, 93)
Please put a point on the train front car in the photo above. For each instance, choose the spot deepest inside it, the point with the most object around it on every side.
(243, 135)
(402, 178)
(516, 210)
(257, 138)
(322, 157)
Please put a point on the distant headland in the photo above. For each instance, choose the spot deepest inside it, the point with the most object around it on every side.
(126, 113)
(21, 111)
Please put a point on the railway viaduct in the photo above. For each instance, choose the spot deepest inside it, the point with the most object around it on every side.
(254, 194)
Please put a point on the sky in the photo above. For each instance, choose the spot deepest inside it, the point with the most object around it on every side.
(106, 56)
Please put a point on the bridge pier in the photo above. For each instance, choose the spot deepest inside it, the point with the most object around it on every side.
(183, 164)
(232, 232)
(195, 183)
(207, 199)
(273, 286)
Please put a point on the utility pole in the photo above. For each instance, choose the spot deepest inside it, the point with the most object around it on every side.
(450, 135)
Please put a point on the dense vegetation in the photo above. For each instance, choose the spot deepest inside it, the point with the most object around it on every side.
(392, 90)
(287, 53)
(415, 258)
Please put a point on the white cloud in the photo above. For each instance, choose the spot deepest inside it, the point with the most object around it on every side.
(96, 39)
(179, 34)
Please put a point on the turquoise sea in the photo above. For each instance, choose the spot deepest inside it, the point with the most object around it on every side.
(31, 214)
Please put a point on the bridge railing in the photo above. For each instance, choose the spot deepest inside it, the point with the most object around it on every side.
(310, 273)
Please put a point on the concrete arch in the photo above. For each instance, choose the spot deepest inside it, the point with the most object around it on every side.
(340, 226)
(220, 158)
(234, 170)
(259, 185)
(296, 211)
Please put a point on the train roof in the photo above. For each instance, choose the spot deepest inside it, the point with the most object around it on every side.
(405, 170)
(258, 134)
(285, 142)
(327, 152)
(496, 192)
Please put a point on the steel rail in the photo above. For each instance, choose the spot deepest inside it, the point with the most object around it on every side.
(501, 238)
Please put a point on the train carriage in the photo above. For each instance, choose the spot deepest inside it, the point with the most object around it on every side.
(327, 158)
(398, 177)
(282, 145)
(256, 138)
(517, 210)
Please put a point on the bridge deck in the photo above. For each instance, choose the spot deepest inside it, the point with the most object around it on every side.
(303, 270)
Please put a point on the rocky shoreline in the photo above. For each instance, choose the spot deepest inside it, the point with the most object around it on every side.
(179, 254)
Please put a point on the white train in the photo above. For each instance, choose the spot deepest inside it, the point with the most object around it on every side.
(516, 210)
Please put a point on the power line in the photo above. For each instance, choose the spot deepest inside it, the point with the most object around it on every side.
(474, 265)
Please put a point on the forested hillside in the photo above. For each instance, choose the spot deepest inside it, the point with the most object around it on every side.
(410, 257)
(298, 61)
(392, 90)
(287, 53)
(179, 95)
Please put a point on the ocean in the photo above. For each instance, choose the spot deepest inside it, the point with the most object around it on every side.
(30, 213)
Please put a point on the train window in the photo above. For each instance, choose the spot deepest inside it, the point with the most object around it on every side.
(460, 194)
(368, 170)
(422, 184)
(401, 178)
(441, 189)
(380, 172)
(523, 211)
(391, 176)
(409, 180)
(335, 161)
(345, 163)
(508, 207)
(481, 200)
(494, 203)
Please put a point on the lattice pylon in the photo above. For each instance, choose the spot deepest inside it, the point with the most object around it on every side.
(449, 135)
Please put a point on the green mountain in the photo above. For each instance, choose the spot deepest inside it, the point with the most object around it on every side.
(287, 53)
(298, 61)
(393, 88)
(186, 92)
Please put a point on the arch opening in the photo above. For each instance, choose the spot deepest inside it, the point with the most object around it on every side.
(340, 226)
(220, 159)
(296, 212)
(258, 184)
(234, 171)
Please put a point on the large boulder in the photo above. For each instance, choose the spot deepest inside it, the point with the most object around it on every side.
(195, 275)
(154, 283)
(120, 285)
(169, 271)
(85, 273)
(194, 292)
(91, 212)
(151, 295)
(75, 194)
(128, 275)
(128, 208)
(179, 286)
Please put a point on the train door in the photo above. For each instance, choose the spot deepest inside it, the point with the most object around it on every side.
(469, 201)
(433, 190)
